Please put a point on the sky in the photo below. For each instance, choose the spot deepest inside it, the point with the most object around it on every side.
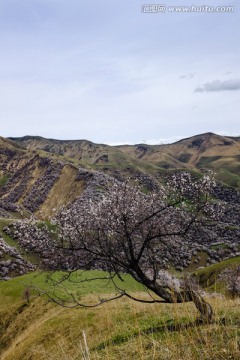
(119, 71)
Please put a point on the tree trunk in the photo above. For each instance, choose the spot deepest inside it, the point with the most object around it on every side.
(203, 307)
(189, 294)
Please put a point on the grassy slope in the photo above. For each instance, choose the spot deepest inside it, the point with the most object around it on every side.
(208, 151)
(119, 330)
(207, 276)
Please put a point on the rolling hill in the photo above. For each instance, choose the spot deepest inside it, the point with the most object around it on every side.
(38, 175)
(206, 151)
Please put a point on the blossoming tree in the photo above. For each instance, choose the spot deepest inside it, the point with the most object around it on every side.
(124, 231)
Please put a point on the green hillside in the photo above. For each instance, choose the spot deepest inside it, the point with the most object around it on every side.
(32, 328)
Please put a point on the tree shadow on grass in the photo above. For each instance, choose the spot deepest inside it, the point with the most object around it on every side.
(169, 326)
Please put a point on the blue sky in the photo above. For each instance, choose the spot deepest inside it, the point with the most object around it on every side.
(107, 72)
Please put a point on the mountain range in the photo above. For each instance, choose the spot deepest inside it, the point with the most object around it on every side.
(40, 175)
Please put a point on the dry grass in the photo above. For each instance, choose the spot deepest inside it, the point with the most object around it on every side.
(125, 330)
(64, 191)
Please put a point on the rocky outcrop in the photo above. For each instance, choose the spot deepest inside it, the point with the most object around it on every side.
(11, 262)
(39, 191)
(227, 194)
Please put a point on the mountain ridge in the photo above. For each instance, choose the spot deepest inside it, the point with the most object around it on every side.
(39, 175)
(204, 151)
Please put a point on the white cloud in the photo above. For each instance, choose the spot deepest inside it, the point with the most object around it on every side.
(161, 141)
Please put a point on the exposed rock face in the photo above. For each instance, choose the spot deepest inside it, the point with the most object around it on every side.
(30, 178)
(39, 192)
(7, 207)
(196, 143)
(102, 159)
(18, 186)
(230, 195)
(11, 262)
(142, 150)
